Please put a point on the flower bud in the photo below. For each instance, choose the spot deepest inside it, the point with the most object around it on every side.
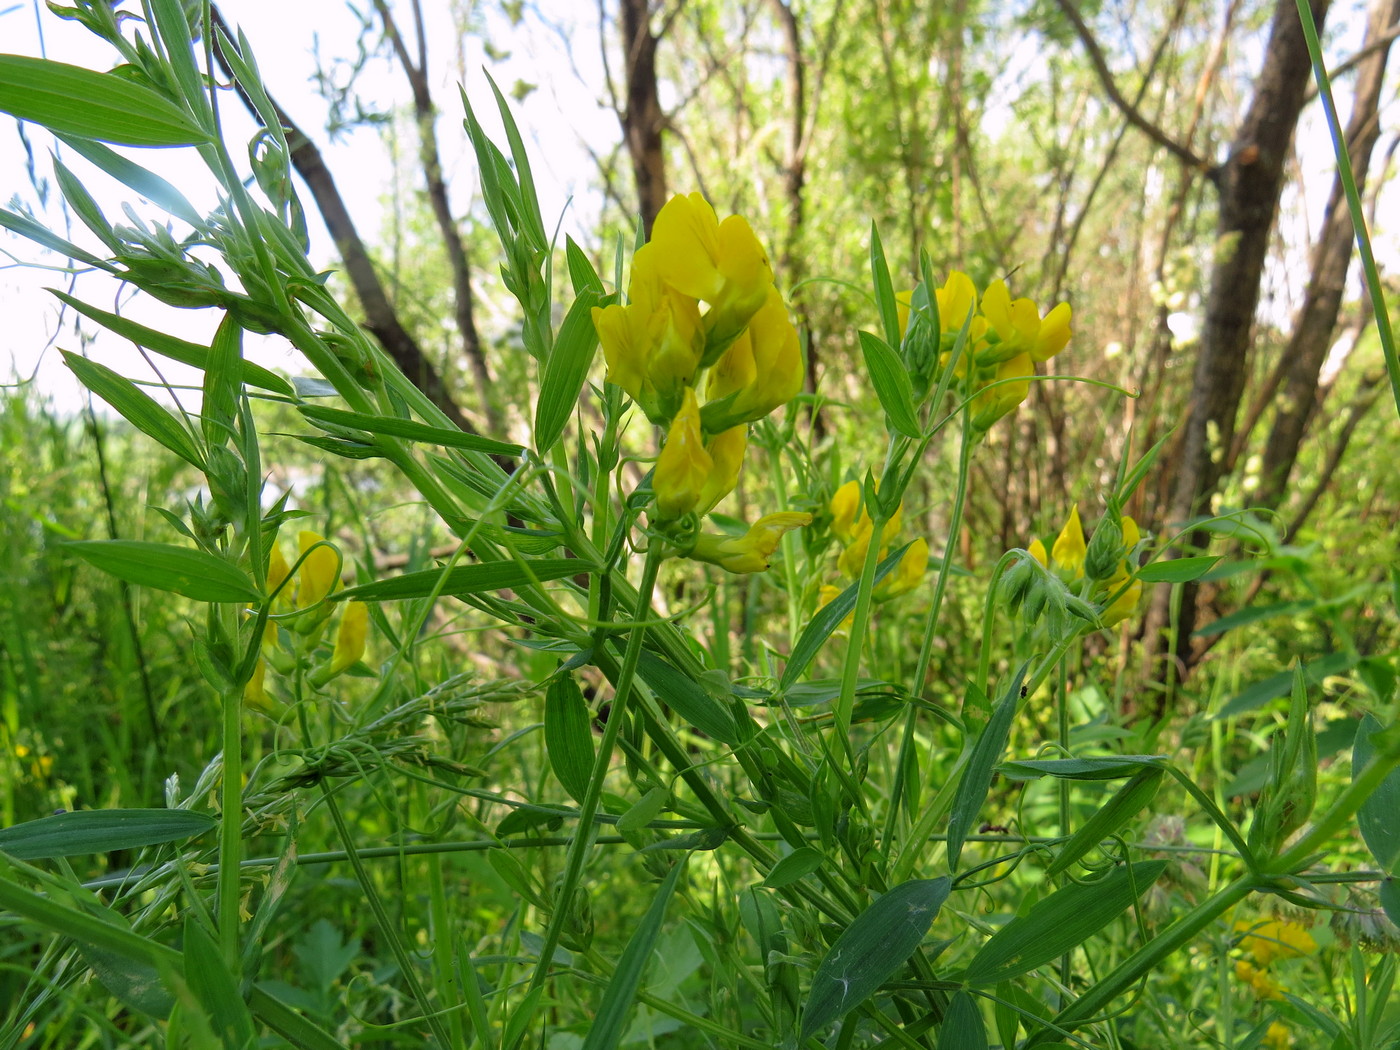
(1105, 550)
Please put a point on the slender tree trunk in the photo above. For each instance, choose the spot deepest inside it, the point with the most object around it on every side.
(425, 113)
(642, 119)
(1250, 184)
(381, 319)
(1317, 318)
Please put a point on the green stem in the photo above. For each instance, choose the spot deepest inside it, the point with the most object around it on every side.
(578, 849)
(231, 827)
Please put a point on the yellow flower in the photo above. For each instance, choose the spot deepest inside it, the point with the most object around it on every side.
(908, 573)
(1132, 535)
(1124, 605)
(350, 638)
(762, 369)
(277, 572)
(1264, 986)
(752, 551)
(1019, 327)
(1069, 548)
(254, 695)
(853, 557)
(683, 466)
(727, 456)
(1037, 551)
(956, 299)
(828, 594)
(719, 263)
(1278, 1037)
(844, 505)
(653, 344)
(1275, 939)
(993, 402)
(320, 569)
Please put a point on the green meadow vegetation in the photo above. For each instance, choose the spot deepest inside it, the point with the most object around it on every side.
(810, 621)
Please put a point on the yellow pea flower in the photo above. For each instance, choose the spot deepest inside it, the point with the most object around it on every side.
(350, 637)
(956, 299)
(993, 402)
(1070, 548)
(684, 466)
(727, 456)
(1019, 327)
(828, 594)
(720, 263)
(1275, 939)
(752, 551)
(1037, 551)
(908, 573)
(762, 369)
(1132, 535)
(1265, 987)
(277, 573)
(653, 344)
(844, 504)
(1278, 1036)
(320, 570)
(1124, 605)
(254, 694)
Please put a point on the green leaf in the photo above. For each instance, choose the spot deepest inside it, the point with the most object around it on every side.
(1251, 614)
(91, 105)
(209, 979)
(286, 1022)
(1389, 894)
(643, 811)
(83, 205)
(136, 984)
(1127, 802)
(676, 689)
(977, 777)
(581, 273)
(1377, 817)
(466, 579)
(532, 221)
(1061, 922)
(144, 181)
(962, 1027)
(27, 227)
(566, 371)
(884, 290)
(892, 386)
(1266, 689)
(1176, 570)
(184, 570)
(827, 619)
(1104, 767)
(609, 1023)
(136, 406)
(797, 865)
(568, 734)
(100, 831)
(223, 381)
(409, 430)
(871, 950)
(187, 353)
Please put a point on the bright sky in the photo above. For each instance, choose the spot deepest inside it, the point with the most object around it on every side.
(563, 114)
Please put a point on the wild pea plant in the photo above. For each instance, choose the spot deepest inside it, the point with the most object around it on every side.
(811, 833)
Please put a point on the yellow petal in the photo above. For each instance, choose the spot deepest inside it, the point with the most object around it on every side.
(685, 236)
(1054, 333)
(844, 505)
(1070, 548)
(1132, 535)
(727, 454)
(956, 300)
(752, 551)
(908, 573)
(277, 570)
(350, 637)
(1037, 551)
(320, 570)
(683, 465)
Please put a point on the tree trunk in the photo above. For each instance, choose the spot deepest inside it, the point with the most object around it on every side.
(1317, 318)
(1250, 183)
(642, 118)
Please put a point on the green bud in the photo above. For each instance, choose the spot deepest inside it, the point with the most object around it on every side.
(1105, 550)
(1291, 789)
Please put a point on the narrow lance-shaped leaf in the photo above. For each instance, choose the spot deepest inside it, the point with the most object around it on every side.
(892, 386)
(208, 977)
(977, 776)
(1377, 817)
(465, 579)
(871, 950)
(136, 406)
(565, 371)
(100, 831)
(92, 105)
(1127, 802)
(184, 570)
(1062, 921)
(568, 737)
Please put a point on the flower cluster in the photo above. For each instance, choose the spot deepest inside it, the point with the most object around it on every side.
(1006, 338)
(1105, 561)
(1264, 943)
(704, 375)
(853, 526)
(302, 613)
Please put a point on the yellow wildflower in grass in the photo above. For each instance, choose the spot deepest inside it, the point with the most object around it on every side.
(993, 402)
(1275, 939)
(320, 569)
(1037, 551)
(761, 370)
(1070, 548)
(1264, 986)
(908, 573)
(277, 572)
(752, 551)
(350, 637)
(1019, 328)
(720, 263)
(726, 452)
(1125, 604)
(653, 344)
(1278, 1036)
(853, 557)
(956, 299)
(683, 466)
(254, 694)
(844, 505)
